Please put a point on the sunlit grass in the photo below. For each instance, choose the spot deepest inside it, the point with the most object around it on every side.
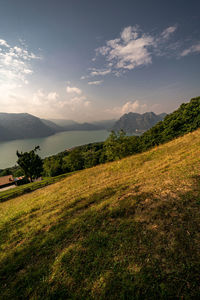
(122, 230)
(30, 187)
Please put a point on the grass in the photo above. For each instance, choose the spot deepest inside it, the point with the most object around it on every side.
(30, 187)
(123, 230)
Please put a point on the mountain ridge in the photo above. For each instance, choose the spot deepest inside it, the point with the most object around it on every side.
(135, 123)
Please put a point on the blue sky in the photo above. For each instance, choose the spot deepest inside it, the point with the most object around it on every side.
(88, 59)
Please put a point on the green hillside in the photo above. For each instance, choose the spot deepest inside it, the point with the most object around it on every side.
(123, 230)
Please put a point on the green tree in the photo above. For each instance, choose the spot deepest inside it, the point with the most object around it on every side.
(53, 166)
(91, 158)
(74, 161)
(31, 163)
(117, 146)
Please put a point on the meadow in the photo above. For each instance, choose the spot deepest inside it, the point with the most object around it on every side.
(127, 229)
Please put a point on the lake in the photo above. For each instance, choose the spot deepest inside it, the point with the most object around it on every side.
(49, 145)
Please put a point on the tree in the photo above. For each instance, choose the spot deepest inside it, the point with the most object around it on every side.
(53, 166)
(74, 161)
(91, 158)
(117, 145)
(31, 163)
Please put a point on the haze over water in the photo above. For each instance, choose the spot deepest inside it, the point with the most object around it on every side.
(49, 145)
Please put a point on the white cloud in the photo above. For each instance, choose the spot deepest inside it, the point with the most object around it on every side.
(130, 50)
(129, 33)
(98, 82)
(73, 90)
(3, 43)
(41, 98)
(52, 96)
(96, 72)
(57, 105)
(129, 106)
(15, 64)
(192, 49)
(168, 31)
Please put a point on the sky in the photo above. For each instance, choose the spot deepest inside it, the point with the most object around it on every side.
(87, 60)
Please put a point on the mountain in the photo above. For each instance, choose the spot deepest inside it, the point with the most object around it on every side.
(122, 230)
(82, 126)
(70, 125)
(63, 123)
(22, 126)
(52, 125)
(134, 123)
(105, 124)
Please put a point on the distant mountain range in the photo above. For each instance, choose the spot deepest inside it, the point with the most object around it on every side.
(134, 123)
(23, 126)
(72, 125)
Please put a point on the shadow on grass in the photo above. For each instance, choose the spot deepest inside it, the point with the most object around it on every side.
(120, 243)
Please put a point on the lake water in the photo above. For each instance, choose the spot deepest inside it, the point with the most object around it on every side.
(49, 145)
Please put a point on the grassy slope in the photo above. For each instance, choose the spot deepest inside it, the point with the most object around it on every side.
(123, 230)
(30, 187)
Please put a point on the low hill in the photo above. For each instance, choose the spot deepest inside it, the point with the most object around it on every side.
(124, 230)
(22, 126)
(134, 123)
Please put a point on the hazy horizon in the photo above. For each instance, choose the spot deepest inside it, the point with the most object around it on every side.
(73, 120)
(89, 60)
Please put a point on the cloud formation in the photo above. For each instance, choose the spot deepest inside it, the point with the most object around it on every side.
(101, 72)
(72, 105)
(98, 82)
(168, 31)
(129, 106)
(130, 50)
(193, 49)
(3, 43)
(73, 90)
(15, 64)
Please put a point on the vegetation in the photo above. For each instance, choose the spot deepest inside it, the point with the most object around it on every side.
(27, 188)
(30, 163)
(123, 230)
(118, 145)
(183, 120)
(53, 166)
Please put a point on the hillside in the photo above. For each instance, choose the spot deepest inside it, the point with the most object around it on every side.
(22, 126)
(124, 230)
(137, 123)
(52, 125)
